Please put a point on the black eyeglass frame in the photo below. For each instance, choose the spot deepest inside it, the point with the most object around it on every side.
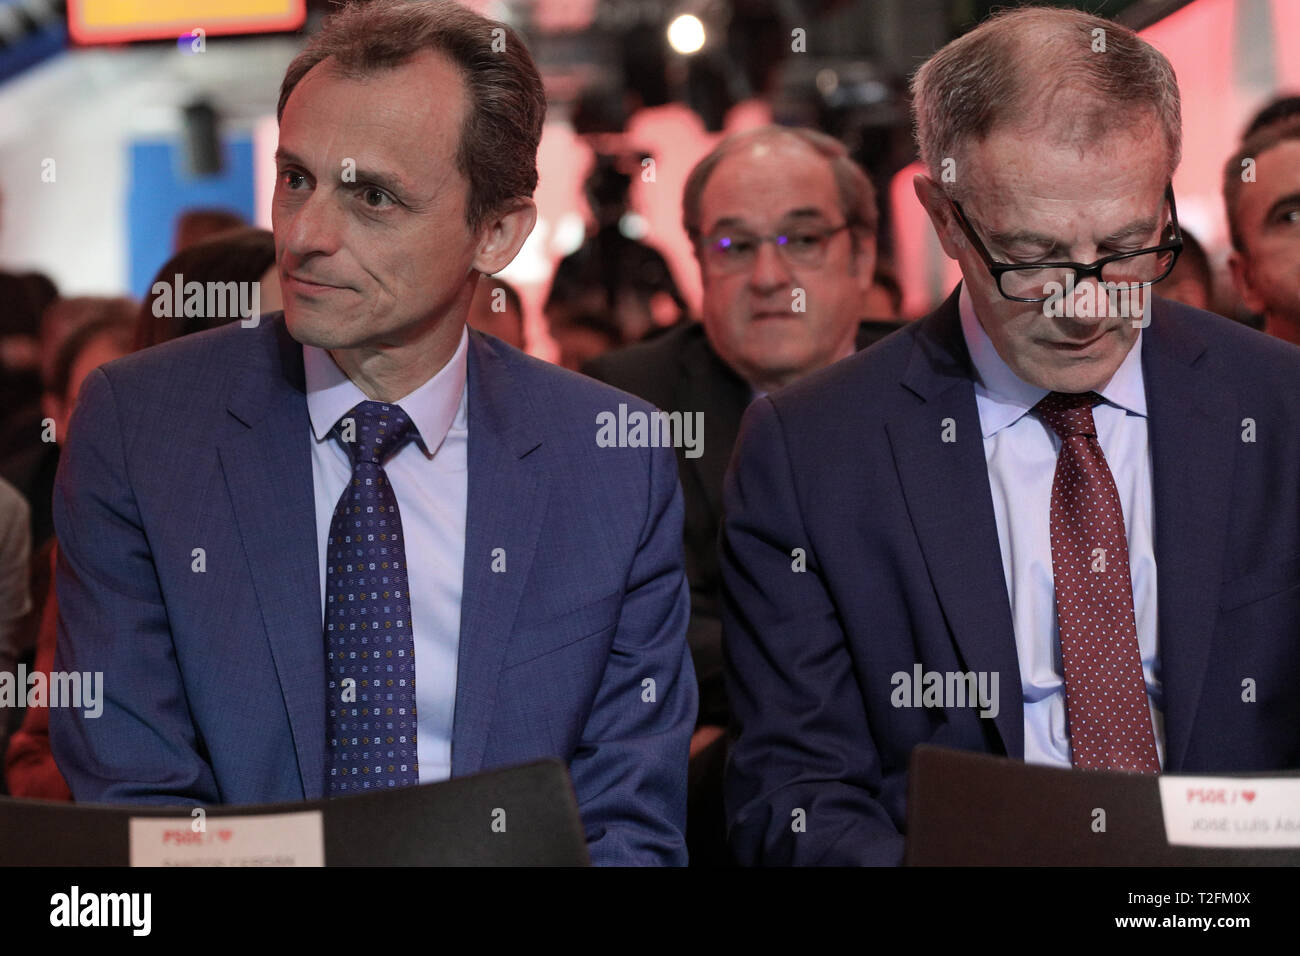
(1081, 270)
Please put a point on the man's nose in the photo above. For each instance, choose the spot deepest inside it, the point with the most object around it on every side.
(315, 227)
(770, 270)
(1100, 312)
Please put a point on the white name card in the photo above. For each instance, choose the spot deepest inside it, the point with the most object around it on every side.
(280, 839)
(1231, 811)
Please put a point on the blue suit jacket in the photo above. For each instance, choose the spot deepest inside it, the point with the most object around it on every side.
(904, 567)
(214, 680)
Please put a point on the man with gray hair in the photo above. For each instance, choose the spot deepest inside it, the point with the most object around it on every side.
(1068, 509)
(357, 546)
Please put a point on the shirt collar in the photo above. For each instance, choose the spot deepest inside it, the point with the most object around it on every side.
(432, 406)
(1004, 398)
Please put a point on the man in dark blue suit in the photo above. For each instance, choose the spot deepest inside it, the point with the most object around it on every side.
(356, 546)
(1041, 522)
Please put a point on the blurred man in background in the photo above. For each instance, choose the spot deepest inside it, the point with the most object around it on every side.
(15, 599)
(241, 257)
(23, 300)
(98, 330)
(31, 465)
(1261, 190)
(1278, 109)
(784, 227)
(625, 282)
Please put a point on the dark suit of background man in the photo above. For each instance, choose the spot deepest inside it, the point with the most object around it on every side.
(965, 502)
(773, 311)
(247, 544)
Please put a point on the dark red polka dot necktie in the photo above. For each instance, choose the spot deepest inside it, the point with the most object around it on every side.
(1106, 705)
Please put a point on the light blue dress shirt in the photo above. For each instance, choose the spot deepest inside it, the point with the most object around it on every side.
(431, 499)
(1021, 452)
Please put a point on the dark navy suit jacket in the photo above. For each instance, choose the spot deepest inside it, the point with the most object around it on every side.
(903, 567)
(214, 680)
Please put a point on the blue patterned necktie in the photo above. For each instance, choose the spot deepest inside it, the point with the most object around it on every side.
(370, 706)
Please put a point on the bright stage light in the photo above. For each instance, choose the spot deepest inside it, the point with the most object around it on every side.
(686, 34)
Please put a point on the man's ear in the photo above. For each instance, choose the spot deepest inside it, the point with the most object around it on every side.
(935, 201)
(1243, 279)
(503, 235)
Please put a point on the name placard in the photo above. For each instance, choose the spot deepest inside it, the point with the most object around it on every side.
(280, 839)
(1231, 811)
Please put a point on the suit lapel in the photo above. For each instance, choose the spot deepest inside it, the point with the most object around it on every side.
(506, 499)
(268, 474)
(946, 487)
(709, 385)
(1194, 433)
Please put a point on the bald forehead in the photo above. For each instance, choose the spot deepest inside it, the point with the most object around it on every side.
(1034, 162)
(408, 116)
(769, 179)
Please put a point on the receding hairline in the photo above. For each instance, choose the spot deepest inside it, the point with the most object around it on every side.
(1022, 65)
(387, 175)
(855, 195)
(362, 72)
(748, 148)
(1081, 132)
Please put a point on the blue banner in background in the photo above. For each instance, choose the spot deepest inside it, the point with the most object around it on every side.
(161, 188)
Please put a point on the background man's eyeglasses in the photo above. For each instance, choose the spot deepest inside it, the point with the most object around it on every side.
(1043, 280)
(732, 250)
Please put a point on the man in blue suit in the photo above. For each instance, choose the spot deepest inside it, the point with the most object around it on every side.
(1037, 523)
(356, 546)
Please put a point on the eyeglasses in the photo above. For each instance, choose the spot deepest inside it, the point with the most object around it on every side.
(1044, 280)
(733, 250)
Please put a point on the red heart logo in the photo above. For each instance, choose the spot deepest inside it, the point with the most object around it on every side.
(1248, 795)
(225, 834)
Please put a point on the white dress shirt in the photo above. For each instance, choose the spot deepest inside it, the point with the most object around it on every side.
(431, 498)
(1021, 451)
